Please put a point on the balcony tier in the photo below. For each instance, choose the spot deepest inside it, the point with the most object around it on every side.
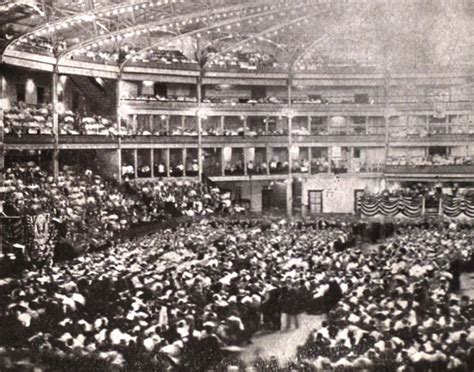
(150, 107)
(104, 142)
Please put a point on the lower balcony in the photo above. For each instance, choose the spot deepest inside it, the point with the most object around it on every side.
(458, 172)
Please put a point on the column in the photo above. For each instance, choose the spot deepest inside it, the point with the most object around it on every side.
(222, 161)
(289, 190)
(54, 92)
(269, 157)
(349, 161)
(135, 162)
(167, 161)
(151, 123)
(289, 186)
(168, 125)
(309, 124)
(118, 102)
(135, 123)
(267, 118)
(184, 154)
(222, 124)
(329, 159)
(200, 148)
(119, 159)
(152, 163)
(199, 120)
(245, 155)
(244, 123)
(310, 158)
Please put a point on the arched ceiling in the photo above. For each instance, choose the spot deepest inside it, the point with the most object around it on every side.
(300, 35)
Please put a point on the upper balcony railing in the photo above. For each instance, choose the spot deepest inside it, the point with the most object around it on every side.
(436, 169)
(149, 105)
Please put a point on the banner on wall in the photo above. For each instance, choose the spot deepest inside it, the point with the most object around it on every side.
(40, 239)
(371, 205)
(451, 206)
(454, 206)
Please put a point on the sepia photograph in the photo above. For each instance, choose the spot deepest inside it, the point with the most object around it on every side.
(237, 186)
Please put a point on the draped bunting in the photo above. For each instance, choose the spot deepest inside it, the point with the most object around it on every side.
(371, 205)
(451, 206)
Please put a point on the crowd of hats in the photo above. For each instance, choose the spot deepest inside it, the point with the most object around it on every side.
(26, 119)
(181, 297)
(22, 119)
(432, 160)
(185, 298)
(94, 209)
(239, 60)
(400, 312)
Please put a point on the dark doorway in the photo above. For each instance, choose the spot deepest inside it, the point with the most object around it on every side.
(267, 198)
(258, 93)
(160, 89)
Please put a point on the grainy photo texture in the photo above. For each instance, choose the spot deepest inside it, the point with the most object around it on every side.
(237, 186)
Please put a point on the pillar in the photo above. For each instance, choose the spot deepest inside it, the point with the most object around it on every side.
(184, 155)
(152, 163)
(54, 92)
(269, 156)
(199, 148)
(245, 150)
(135, 162)
(289, 185)
(222, 161)
(119, 159)
(310, 158)
(118, 102)
(329, 159)
(199, 120)
(349, 161)
(167, 160)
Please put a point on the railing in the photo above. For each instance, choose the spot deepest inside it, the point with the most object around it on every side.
(356, 109)
(430, 169)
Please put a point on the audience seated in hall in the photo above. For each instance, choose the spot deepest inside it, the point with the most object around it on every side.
(184, 297)
(96, 208)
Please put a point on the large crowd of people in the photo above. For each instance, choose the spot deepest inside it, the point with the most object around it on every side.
(92, 209)
(401, 311)
(25, 119)
(189, 298)
(432, 160)
(183, 298)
